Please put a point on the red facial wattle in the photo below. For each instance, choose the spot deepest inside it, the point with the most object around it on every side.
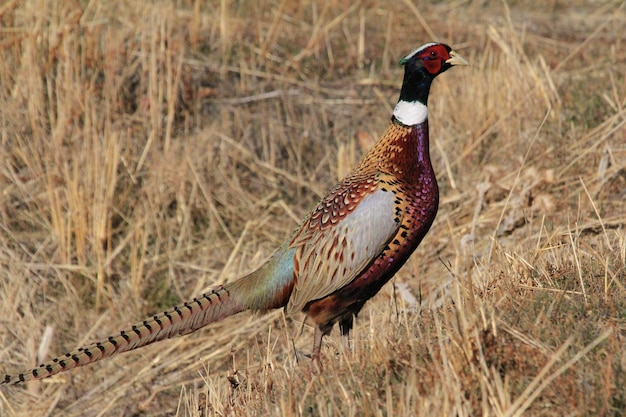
(434, 57)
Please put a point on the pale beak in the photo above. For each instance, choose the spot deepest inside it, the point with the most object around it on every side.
(456, 59)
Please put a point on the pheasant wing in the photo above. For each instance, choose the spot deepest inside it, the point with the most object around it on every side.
(347, 231)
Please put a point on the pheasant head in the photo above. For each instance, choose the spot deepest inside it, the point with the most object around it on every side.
(420, 68)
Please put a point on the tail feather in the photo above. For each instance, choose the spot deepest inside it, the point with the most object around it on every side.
(177, 321)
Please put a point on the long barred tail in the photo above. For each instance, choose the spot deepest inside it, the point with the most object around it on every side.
(177, 321)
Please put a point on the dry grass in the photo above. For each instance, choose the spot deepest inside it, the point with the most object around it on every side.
(150, 151)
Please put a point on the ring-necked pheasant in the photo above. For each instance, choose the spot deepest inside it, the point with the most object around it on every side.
(343, 252)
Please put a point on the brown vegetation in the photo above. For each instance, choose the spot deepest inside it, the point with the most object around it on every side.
(152, 150)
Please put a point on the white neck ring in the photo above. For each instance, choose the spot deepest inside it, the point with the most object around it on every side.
(410, 112)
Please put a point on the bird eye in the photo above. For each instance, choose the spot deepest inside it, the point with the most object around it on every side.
(433, 54)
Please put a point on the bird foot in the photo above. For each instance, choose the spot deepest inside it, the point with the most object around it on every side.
(316, 364)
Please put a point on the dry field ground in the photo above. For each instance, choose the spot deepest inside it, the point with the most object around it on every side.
(152, 149)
